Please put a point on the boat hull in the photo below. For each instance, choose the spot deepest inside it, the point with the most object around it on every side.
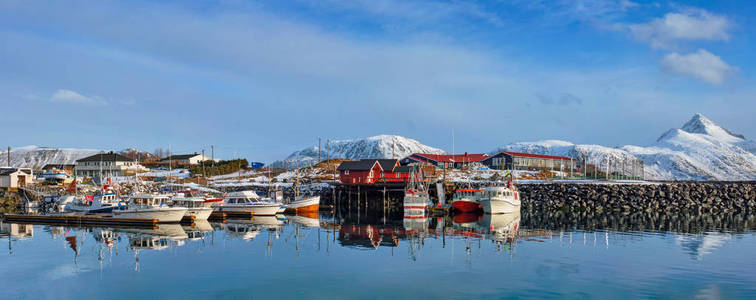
(89, 210)
(257, 210)
(304, 205)
(500, 205)
(162, 214)
(199, 213)
(466, 206)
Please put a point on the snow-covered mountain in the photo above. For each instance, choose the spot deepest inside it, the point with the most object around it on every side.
(699, 150)
(381, 146)
(37, 157)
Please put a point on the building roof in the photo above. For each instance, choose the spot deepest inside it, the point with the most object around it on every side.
(402, 169)
(359, 165)
(387, 164)
(57, 166)
(520, 154)
(180, 157)
(110, 156)
(8, 171)
(457, 158)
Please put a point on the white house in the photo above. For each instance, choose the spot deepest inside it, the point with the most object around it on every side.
(107, 165)
(186, 159)
(15, 177)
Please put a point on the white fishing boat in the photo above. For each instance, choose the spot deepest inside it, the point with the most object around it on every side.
(248, 201)
(500, 199)
(197, 208)
(150, 207)
(105, 202)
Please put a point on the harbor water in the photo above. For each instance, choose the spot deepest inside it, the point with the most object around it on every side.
(347, 255)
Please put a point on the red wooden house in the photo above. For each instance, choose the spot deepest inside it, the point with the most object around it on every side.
(372, 171)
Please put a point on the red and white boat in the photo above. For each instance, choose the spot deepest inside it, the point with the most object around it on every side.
(467, 200)
(416, 196)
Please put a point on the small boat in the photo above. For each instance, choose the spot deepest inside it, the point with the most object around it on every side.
(248, 201)
(500, 199)
(304, 204)
(467, 200)
(151, 207)
(106, 202)
(197, 208)
(54, 175)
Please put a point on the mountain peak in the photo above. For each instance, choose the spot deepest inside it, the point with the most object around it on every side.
(702, 125)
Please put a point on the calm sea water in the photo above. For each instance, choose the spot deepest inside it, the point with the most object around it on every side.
(510, 256)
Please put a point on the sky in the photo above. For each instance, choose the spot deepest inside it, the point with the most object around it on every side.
(261, 79)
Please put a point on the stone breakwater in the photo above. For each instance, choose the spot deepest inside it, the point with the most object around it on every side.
(702, 197)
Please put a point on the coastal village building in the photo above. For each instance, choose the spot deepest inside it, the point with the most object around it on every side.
(525, 161)
(372, 171)
(186, 159)
(15, 177)
(446, 161)
(108, 164)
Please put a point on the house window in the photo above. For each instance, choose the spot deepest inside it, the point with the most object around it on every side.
(383, 175)
(346, 172)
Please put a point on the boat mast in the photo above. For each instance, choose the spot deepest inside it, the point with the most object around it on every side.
(296, 183)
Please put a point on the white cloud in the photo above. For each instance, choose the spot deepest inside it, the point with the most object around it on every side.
(701, 64)
(691, 24)
(63, 95)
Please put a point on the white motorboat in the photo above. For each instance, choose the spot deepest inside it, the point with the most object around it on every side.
(150, 207)
(500, 199)
(197, 208)
(248, 201)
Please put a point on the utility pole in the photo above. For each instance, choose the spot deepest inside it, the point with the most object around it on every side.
(203, 165)
(212, 157)
(319, 157)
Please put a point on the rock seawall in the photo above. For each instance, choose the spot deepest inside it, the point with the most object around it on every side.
(700, 197)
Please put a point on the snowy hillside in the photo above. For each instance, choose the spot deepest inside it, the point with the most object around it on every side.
(699, 150)
(37, 157)
(381, 146)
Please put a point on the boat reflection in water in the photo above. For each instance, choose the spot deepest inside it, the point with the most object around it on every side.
(197, 230)
(159, 238)
(249, 229)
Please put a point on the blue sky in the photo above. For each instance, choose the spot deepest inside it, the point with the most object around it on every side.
(261, 79)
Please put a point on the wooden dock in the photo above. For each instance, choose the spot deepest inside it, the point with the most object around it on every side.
(78, 219)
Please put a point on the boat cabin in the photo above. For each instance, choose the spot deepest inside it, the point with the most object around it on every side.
(499, 192)
(243, 197)
(467, 193)
(149, 200)
(190, 202)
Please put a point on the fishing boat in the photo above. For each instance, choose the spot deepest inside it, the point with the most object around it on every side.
(105, 202)
(416, 196)
(467, 200)
(248, 201)
(197, 208)
(500, 199)
(150, 207)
